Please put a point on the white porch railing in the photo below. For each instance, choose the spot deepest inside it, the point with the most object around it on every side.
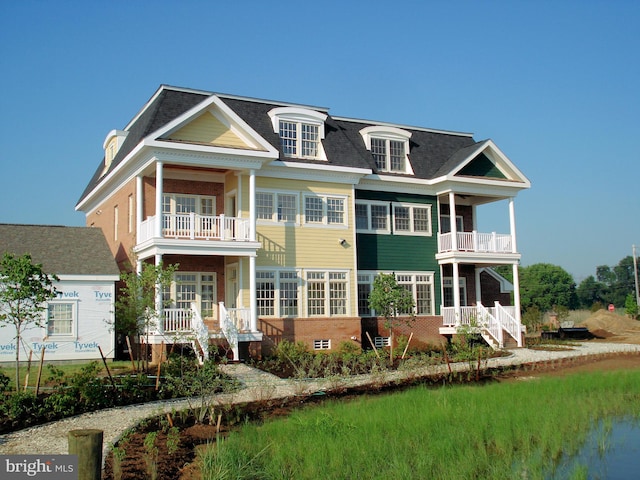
(194, 226)
(187, 324)
(494, 319)
(476, 242)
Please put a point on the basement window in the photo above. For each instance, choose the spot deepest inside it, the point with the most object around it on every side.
(322, 344)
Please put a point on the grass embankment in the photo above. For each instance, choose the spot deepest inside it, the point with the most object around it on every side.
(496, 431)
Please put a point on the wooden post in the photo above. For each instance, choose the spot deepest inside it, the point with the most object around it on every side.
(104, 360)
(373, 345)
(407, 346)
(40, 372)
(26, 377)
(87, 445)
(133, 364)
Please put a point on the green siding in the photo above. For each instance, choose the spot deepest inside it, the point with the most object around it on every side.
(413, 253)
(481, 166)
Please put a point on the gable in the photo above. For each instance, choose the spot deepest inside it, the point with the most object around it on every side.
(208, 129)
(482, 166)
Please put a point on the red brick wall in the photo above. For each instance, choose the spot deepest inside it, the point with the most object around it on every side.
(425, 331)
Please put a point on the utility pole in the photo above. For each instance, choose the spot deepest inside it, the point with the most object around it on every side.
(635, 273)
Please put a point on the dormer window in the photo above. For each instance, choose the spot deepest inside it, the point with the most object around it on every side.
(300, 130)
(111, 145)
(389, 147)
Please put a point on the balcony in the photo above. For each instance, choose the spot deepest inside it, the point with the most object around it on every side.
(477, 247)
(195, 234)
(194, 226)
(476, 242)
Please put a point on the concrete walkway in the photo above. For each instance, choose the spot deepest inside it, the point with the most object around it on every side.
(257, 385)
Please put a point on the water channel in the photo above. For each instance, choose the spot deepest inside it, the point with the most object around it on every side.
(611, 451)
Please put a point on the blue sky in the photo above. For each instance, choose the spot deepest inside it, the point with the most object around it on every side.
(554, 83)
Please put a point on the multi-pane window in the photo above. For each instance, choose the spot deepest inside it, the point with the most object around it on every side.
(447, 290)
(277, 293)
(177, 210)
(419, 284)
(372, 216)
(189, 288)
(313, 209)
(299, 139)
(326, 210)
(265, 293)
(365, 283)
(412, 219)
(60, 319)
(445, 223)
(277, 206)
(381, 342)
(316, 293)
(288, 294)
(327, 292)
(389, 155)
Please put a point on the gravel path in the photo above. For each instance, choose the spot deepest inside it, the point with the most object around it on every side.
(52, 438)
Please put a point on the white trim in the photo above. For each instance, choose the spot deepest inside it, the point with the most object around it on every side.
(325, 213)
(369, 229)
(412, 207)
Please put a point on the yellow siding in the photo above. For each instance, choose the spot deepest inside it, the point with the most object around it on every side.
(208, 129)
(306, 247)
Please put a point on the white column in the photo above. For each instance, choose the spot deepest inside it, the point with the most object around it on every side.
(478, 286)
(159, 194)
(252, 205)
(516, 299)
(159, 297)
(252, 259)
(252, 294)
(453, 223)
(139, 205)
(512, 224)
(456, 292)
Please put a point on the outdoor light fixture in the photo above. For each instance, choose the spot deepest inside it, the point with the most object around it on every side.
(342, 241)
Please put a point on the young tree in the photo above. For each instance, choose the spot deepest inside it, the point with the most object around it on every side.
(24, 291)
(391, 300)
(136, 307)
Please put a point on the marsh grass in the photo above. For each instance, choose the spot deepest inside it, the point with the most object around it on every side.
(495, 431)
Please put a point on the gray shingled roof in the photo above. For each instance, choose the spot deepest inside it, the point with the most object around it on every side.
(432, 152)
(60, 250)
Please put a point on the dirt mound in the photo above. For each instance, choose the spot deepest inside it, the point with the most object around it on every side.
(604, 324)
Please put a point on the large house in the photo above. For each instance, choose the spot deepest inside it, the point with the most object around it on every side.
(78, 323)
(280, 215)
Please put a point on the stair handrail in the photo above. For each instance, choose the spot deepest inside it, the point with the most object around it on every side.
(200, 333)
(229, 329)
(509, 323)
(490, 324)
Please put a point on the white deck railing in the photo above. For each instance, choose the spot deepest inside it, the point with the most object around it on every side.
(476, 242)
(196, 227)
(494, 319)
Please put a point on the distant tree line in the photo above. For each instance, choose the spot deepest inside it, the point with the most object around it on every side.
(547, 287)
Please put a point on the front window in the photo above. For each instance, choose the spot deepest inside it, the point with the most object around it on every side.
(300, 130)
(299, 139)
(372, 217)
(193, 288)
(277, 207)
(277, 293)
(60, 319)
(412, 219)
(324, 210)
(177, 213)
(447, 290)
(389, 155)
(419, 284)
(327, 292)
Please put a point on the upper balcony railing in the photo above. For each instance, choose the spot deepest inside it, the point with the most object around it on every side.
(476, 242)
(194, 226)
